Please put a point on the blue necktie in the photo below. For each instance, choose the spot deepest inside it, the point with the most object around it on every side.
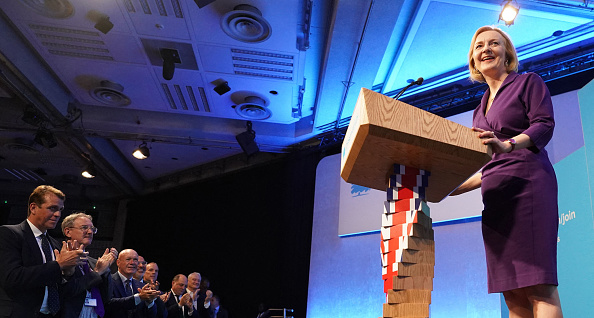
(53, 298)
(129, 288)
(95, 293)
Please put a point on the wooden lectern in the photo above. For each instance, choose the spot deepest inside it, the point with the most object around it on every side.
(414, 156)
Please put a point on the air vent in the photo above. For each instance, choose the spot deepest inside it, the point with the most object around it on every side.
(186, 97)
(55, 9)
(254, 108)
(71, 42)
(110, 93)
(245, 23)
(160, 6)
(263, 64)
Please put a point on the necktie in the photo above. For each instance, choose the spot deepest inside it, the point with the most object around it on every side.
(129, 288)
(95, 293)
(53, 298)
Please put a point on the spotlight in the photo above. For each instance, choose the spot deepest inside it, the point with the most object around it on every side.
(104, 25)
(247, 140)
(45, 138)
(32, 117)
(89, 171)
(170, 57)
(509, 12)
(203, 3)
(142, 152)
(222, 88)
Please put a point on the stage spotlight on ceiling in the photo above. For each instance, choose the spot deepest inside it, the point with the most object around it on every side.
(247, 140)
(203, 3)
(32, 117)
(101, 21)
(89, 171)
(170, 57)
(222, 88)
(509, 12)
(45, 138)
(104, 25)
(142, 152)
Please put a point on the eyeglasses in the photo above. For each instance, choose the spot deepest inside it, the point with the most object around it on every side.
(85, 228)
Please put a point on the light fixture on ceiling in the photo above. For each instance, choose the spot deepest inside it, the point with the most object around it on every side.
(142, 152)
(222, 88)
(245, 23)
(509, 12)
(45, 138)
(104, 25)
(247, 140)
(170, 57)
(89, 172)
(203, 3)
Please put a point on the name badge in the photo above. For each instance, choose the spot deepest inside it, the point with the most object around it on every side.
(91, 302)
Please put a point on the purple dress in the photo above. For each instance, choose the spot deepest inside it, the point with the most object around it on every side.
(520, 217)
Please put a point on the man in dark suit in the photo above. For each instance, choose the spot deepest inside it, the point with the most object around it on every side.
(215, 310)
(140, 270)
(129, 298)
(177, 301)
(200, 296)
(29, 271)
(88, 288)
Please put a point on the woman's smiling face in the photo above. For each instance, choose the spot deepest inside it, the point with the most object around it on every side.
(489, 54)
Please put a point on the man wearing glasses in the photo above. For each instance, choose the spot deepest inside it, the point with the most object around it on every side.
(141, 269)
(87, 290)
(30, 264)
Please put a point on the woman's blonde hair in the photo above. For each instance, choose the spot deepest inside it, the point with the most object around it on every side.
(511, 57)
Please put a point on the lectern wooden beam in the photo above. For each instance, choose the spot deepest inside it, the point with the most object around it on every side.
(415, 156)
(384, 131)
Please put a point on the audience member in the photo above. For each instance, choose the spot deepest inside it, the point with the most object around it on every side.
(200, 297)
(177, 301)
(29, 272)
(141, 269)
(216, 311)
(129, 297)
(151, 275)
(87, 291)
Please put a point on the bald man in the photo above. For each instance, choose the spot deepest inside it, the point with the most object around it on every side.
(129, 297)
(177, 301)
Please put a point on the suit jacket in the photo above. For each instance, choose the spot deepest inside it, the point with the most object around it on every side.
(223, 313)
(74, 292)
(23, 275)
(122, 306)
(174, 311)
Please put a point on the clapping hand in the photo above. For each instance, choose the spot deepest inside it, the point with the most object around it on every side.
(70, 255)
(186, 300)
(165, 297)
(105, 261)
(147, 293)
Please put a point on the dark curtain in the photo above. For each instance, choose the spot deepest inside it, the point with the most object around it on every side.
(248, 232)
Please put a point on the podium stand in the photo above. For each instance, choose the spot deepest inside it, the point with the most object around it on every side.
(414, 156)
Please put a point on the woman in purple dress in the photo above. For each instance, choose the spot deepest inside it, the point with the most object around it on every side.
(519, 187)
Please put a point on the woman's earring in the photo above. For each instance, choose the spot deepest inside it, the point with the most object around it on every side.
(506, 62)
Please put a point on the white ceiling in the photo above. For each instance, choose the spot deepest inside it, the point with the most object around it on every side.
(307, 73)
